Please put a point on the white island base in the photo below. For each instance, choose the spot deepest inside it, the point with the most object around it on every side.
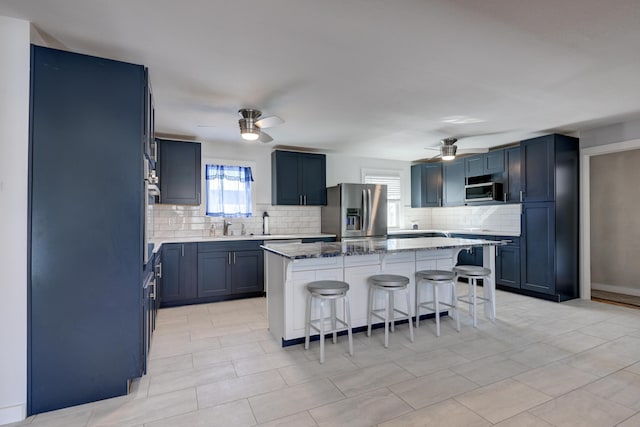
(286, 281)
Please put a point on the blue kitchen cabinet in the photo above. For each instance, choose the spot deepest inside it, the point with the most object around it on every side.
(180, 172)
(508, 263)
(550, 217)
(298, 178)
(511, 178)
(85, 254)
(453, 183)
(214, 278)
(484, 164)
(230, 269)
(538, 247)
(179, 270)
(426, 185)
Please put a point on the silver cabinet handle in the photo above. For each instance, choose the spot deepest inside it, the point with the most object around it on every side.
(159, 270)
(305, 200)
(229, 258)
(521, 195)
(234, 258)
(505, 196)
(182, 249)
(300, 199)
(153, 294)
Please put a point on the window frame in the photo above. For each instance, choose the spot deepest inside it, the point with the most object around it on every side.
(390, 173)
(226, 162)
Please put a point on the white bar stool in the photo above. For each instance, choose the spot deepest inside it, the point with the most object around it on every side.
(389, 284)
(328, 290)
(436, 278)
(472, 273)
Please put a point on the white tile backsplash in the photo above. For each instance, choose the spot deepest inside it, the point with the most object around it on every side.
(190, 221)
(504, 218)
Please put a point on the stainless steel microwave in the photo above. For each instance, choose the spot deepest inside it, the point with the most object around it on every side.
(484, 192)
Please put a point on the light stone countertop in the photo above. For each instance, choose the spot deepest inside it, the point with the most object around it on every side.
(470, 230)
(369, 246)
(249, 237)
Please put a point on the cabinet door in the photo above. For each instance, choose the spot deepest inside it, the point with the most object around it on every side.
(537, 247)
(214, 273)
(453, 183)
(512, 187)
(493, 162)
(247, 271)
(508, 266)
(178, 265)
(474, 165)
(180, 172)
(285, 179)
(314, 182)
(426, 185)
(538, 169)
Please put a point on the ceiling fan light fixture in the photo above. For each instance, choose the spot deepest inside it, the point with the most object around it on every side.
(448, 152)
(248, 130)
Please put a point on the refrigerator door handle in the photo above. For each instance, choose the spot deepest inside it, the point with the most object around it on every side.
(370, 212)
(365, 213)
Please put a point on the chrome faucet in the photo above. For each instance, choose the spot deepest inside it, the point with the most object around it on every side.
(227, 224)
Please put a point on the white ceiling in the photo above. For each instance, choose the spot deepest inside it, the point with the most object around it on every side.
(376, 78)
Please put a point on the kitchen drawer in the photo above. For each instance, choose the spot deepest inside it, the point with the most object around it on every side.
(433, 254)
(231, 246)
(317, 263)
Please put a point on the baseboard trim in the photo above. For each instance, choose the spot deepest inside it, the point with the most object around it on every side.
(615, 289)
(13, 414)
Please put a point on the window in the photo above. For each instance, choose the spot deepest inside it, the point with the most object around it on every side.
(394, 204)
(228, 191)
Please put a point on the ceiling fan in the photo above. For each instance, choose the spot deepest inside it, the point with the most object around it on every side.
(448, 149)
(251, 124)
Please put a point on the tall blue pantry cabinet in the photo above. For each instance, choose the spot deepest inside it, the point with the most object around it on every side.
(85, 303)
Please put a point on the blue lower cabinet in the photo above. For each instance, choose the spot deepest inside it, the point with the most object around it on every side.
(538, 247)
(195, 273)
(179, 273)
(508, 266)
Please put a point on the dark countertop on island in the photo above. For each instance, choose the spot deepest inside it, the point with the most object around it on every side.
(368, 246)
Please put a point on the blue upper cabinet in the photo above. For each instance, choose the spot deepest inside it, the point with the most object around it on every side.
(511, 179)
(548, 164)
(180, 172)
(426, 185)
(484, 164)
(453, 183)
(298, 178)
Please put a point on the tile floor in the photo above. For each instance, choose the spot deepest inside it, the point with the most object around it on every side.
(540, 364)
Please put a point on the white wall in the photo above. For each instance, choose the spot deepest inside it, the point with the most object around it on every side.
(14, 143)
(619, 132)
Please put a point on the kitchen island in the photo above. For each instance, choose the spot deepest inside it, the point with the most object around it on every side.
(290, 267)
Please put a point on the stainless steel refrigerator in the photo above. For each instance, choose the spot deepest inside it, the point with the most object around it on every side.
(355, 210)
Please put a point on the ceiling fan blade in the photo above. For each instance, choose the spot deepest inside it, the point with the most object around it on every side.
(269, 122)
(265, 137)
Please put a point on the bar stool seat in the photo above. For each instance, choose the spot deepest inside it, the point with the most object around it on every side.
(389, 284)
(472, 273)
(328, 290)
(437, 279)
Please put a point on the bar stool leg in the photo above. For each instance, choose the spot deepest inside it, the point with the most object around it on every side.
(392, 311)
(475, 302)
(406, 291)
(370, 310)
(322, 330)
(333, 321)
(454, 303)
(386, 321)
(436, 307)
(417, 303)
(307, 324)
(347, 308)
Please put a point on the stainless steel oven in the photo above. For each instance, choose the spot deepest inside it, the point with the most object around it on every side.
(151, 191)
